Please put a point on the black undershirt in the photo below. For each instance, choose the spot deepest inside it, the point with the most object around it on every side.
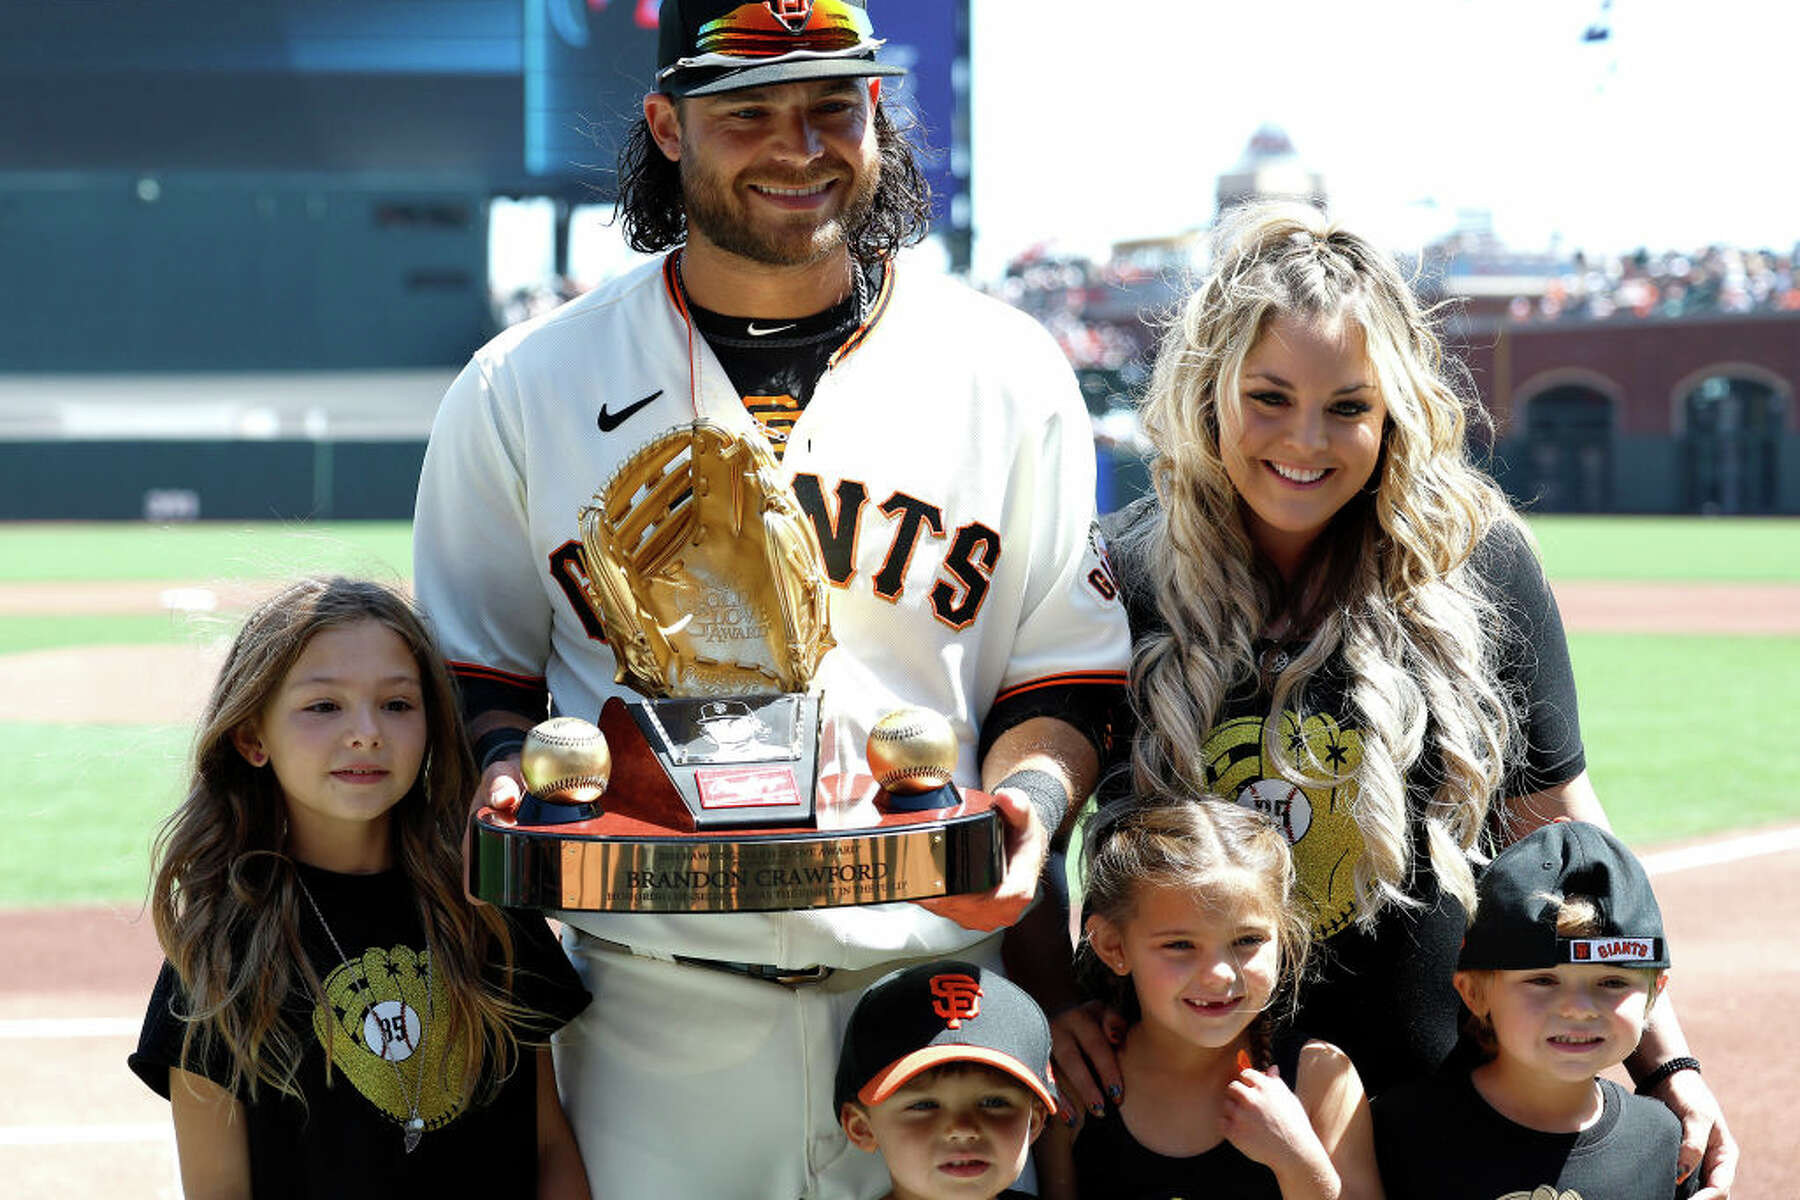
(776, 363)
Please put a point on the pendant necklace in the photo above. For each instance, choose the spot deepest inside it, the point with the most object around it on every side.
(1272, 649)
(415, 1125)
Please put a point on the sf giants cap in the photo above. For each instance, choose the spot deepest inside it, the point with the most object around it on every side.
(707, 46)
(1515, 916)
(914, 1019)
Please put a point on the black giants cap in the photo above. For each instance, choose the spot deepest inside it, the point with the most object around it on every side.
(707, 46)
(1515, 915)
(920, 1017)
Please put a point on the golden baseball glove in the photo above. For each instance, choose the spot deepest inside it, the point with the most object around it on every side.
(704, 569)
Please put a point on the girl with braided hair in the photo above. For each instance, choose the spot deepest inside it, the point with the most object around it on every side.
(1339, 620)
(1193, 936)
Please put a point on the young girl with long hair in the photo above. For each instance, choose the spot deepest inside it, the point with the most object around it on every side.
(1193, 936)
(1339, 619)
(334, 1017)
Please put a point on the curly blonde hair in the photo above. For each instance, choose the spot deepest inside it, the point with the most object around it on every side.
(1388, 585)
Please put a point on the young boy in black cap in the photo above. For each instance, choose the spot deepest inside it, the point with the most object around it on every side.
(1562, 962)
(945, 1072)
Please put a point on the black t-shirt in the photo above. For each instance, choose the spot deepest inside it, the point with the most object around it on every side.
(1437, 1139)
(776, 364)
(347, 1139)
(1383, 995)
(1110, 1162)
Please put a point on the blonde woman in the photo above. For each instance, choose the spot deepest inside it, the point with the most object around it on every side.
(1340, 621)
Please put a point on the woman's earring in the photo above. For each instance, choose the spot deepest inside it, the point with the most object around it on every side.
(1374, 485)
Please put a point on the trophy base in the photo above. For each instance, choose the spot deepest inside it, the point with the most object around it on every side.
(535, 810)
(943, 796)
(618, 863)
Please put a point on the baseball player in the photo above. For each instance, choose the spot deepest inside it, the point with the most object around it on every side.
(937, 442)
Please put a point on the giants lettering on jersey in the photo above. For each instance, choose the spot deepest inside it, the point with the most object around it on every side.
(964, 573)
(907, 522)
(1627, 949)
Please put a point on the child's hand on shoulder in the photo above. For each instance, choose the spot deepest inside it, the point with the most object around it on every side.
(1265, 1120)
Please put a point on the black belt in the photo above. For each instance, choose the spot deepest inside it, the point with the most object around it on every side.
(786, 976)
(764, 972)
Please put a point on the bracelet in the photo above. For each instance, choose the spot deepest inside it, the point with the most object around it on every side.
(1684, 1062)
(1048, 795)
(497, 744)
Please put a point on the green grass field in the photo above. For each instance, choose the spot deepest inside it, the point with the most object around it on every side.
(83, 803)
(1690, 735)
(41, 632)
(1692, 549)
(1685, 735)
(1741, 550)
(204, 552)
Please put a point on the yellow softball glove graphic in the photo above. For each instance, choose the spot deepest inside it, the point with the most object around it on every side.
(386, 1034)
(1319, 822)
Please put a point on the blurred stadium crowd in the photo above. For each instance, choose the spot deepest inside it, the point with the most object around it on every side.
(1717, 280)
(1096, 311)
(1093, 309)
(1104, 315)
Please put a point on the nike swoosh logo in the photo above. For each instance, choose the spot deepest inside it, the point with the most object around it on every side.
(753, 331)
(609, 421)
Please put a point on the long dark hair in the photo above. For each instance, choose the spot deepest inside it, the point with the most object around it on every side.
(224, 898)
(650, 207)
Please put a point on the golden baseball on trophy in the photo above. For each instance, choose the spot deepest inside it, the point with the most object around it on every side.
(912, 750)
(566, 760)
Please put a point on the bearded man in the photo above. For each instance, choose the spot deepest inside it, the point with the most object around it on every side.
(938, 443)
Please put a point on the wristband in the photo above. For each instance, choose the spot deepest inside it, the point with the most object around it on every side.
(497, 744)
(1048, 795)
(1654, 1077)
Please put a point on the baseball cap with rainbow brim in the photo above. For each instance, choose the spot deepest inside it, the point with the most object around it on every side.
(707, 46)
(941, 1012)
(1514, 928)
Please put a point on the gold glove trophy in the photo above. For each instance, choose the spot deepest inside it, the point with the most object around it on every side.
(707, 580)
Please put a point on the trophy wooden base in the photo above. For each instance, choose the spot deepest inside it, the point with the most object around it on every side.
(620, 863)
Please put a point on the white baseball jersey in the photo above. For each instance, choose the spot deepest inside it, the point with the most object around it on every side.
(945, 459)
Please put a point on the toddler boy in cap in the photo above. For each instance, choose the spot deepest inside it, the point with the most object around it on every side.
(1562, 962)
(945, 1072)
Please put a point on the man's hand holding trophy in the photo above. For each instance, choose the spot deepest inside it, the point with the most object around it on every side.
(707, 580)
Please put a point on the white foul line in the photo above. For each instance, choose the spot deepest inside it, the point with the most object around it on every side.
(71, 1027)
(86, 1135)
(1711, 854)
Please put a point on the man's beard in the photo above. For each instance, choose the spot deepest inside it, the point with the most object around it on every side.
(713, 211)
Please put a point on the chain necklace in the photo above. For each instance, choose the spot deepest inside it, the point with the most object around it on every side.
(415, 1125)
(859, 286)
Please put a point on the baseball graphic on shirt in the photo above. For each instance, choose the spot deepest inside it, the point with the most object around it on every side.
(381, 1028)
(1284, 803)
(1319, 821)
